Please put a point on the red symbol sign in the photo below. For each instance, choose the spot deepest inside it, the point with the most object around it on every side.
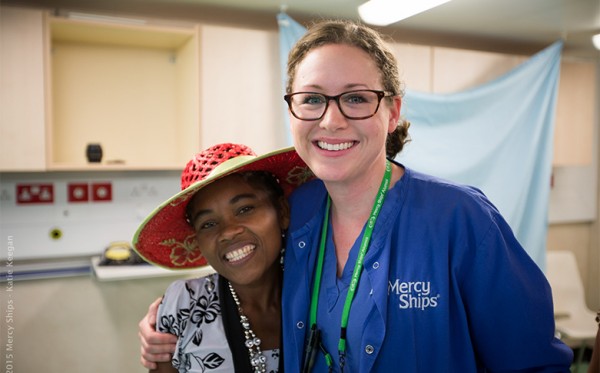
(78, 192)
(101, 192)
(35, 193)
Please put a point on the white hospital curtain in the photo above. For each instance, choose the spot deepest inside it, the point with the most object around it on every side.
(289, 32)
(497, 137)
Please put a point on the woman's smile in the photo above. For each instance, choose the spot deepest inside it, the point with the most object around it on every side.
(335, 147)
(238, 255)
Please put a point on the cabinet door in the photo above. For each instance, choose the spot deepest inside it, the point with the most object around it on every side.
(574, 128)
(242, 93)
(414, 64)
(455, 70)
(22, 98)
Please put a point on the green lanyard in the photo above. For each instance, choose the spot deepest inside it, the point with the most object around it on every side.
(358, 266)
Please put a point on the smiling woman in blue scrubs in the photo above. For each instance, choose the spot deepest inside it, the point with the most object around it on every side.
(388, 269)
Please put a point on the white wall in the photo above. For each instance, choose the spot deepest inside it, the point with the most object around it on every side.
(87, 227)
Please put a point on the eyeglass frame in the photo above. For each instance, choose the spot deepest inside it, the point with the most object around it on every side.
(380, 96)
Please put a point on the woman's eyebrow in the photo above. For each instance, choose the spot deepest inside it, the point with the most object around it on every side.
(237, 198)
(349, 87)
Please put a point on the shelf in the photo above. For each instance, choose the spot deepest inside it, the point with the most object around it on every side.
(112, 273)
(47, 269)
(90, 32)
(133, 89)
(151, 166)
(69, 267)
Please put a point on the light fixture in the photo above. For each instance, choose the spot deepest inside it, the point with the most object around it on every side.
(596, 41)
(385, 12)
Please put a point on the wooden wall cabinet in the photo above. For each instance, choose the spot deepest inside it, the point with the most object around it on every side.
(66, 83)
(575, 111)
(456, 70)
(414, 65)
(242, 98)
(133, 89)
(136, 90)
(22, 96)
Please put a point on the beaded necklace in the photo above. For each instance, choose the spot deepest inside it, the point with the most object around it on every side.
(257, 359)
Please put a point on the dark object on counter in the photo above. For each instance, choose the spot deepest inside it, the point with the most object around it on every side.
(120, 253)
(94, 153)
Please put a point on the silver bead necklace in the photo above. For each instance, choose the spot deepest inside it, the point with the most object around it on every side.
(257, 359)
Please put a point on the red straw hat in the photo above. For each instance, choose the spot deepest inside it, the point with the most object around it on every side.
(166, 239)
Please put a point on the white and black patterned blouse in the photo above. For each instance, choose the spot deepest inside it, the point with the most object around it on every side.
(204, 317)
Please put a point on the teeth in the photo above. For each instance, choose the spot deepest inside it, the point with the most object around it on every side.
(335, 147)
(239, 254)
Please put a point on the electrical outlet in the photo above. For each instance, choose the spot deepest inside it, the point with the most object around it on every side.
(101, 192)
(78, 192)
(35, 193)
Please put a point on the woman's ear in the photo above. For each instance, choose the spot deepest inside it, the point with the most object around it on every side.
(395, 107)
(284, 213)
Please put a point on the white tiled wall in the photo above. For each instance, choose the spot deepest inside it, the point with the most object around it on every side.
(86, 228)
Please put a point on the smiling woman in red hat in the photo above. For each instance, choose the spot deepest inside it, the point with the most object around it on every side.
(232, 214)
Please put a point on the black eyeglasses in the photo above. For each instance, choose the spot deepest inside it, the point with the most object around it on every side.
(359, 104)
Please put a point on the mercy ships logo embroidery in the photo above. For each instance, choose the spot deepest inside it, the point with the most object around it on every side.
(413, 294)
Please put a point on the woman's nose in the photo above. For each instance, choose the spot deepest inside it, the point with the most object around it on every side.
(333, 119)
(229, 230)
